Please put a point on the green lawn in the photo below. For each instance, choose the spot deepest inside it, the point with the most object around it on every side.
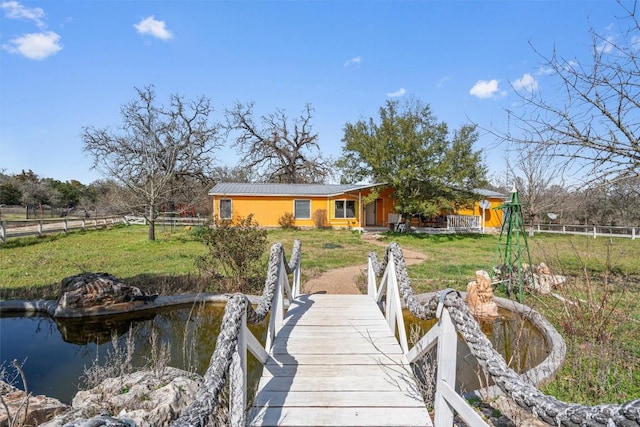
(602, 329)
(35, 266)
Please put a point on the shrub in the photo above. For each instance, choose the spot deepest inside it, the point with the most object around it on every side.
(235, 248)
(320, 218)
(287, 221)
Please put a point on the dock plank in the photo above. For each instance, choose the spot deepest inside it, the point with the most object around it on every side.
(335, 362)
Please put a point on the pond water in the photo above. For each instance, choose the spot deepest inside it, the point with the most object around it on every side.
(520, 343)
(54, 353)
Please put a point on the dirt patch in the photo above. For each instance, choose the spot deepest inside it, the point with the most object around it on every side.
(345, 280)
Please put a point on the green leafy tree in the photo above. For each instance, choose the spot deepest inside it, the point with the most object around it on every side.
(429, 169)
(10, 194)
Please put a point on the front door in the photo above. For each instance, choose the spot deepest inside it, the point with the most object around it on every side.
(370, 213)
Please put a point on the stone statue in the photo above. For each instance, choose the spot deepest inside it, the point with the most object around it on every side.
(480, 296)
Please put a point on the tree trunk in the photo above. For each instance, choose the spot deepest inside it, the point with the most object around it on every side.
(152, 224)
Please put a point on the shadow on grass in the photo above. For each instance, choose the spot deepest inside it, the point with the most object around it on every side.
(23, 242)
(436, 238)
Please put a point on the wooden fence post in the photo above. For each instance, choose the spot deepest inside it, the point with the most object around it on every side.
(3, 231)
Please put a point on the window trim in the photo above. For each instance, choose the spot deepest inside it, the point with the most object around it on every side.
(230, 208)
(294, 208)
(344, 216)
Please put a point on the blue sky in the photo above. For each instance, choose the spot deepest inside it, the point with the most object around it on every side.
(69, 64)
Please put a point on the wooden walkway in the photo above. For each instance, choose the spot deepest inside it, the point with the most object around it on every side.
(335, 362)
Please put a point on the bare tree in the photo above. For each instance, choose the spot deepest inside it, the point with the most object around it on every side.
(539, 182)
(235, 173)
(595, 125)
(156, 149)
(276, 148)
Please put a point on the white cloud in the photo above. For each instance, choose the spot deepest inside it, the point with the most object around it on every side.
(356, 60)
(443, 81)
(606, 46)
(397, 93)
(635, 42)
(36, 46)
(526, 82)
(14, 10)
(153, 27)
(485, 89)
(544, 71)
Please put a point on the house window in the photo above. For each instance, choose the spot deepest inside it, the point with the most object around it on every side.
(302, 209)
(225, 208)
(345, 208)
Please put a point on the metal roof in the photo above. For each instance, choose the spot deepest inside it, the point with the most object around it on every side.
(488, 193)
(270, 189)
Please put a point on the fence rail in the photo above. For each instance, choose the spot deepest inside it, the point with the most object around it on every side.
(40, 227)
(586, 230)
(167, 220)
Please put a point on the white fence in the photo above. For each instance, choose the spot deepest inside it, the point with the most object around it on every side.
(463, 222)
(588, 230)
(166, 220)
(39, 227)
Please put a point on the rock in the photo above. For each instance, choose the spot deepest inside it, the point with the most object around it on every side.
(542, 268)
(39, 409)
(480, 296)
(544, 283)
(100, 421)
(144, 398)
(92, 291)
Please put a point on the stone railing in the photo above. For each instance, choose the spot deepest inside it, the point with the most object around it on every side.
(523, 393)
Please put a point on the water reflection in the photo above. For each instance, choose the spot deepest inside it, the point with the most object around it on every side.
(55, 353)
(518, 340)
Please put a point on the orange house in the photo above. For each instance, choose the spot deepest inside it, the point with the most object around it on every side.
(323, 205)
(492, 217)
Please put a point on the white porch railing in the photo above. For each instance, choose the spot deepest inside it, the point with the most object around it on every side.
(447, 402)
(463, 222)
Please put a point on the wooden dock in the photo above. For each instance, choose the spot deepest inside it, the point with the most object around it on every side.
(335, 362)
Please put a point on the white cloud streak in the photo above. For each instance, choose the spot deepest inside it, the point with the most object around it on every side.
(485, 89)
(356, 60)
(607, 45)
(443, 81)
(527, 82)
(397, 93)
(36, 46)
(152, 27)
(14, 10)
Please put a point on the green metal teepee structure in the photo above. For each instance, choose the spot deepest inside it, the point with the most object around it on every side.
(513, 269)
